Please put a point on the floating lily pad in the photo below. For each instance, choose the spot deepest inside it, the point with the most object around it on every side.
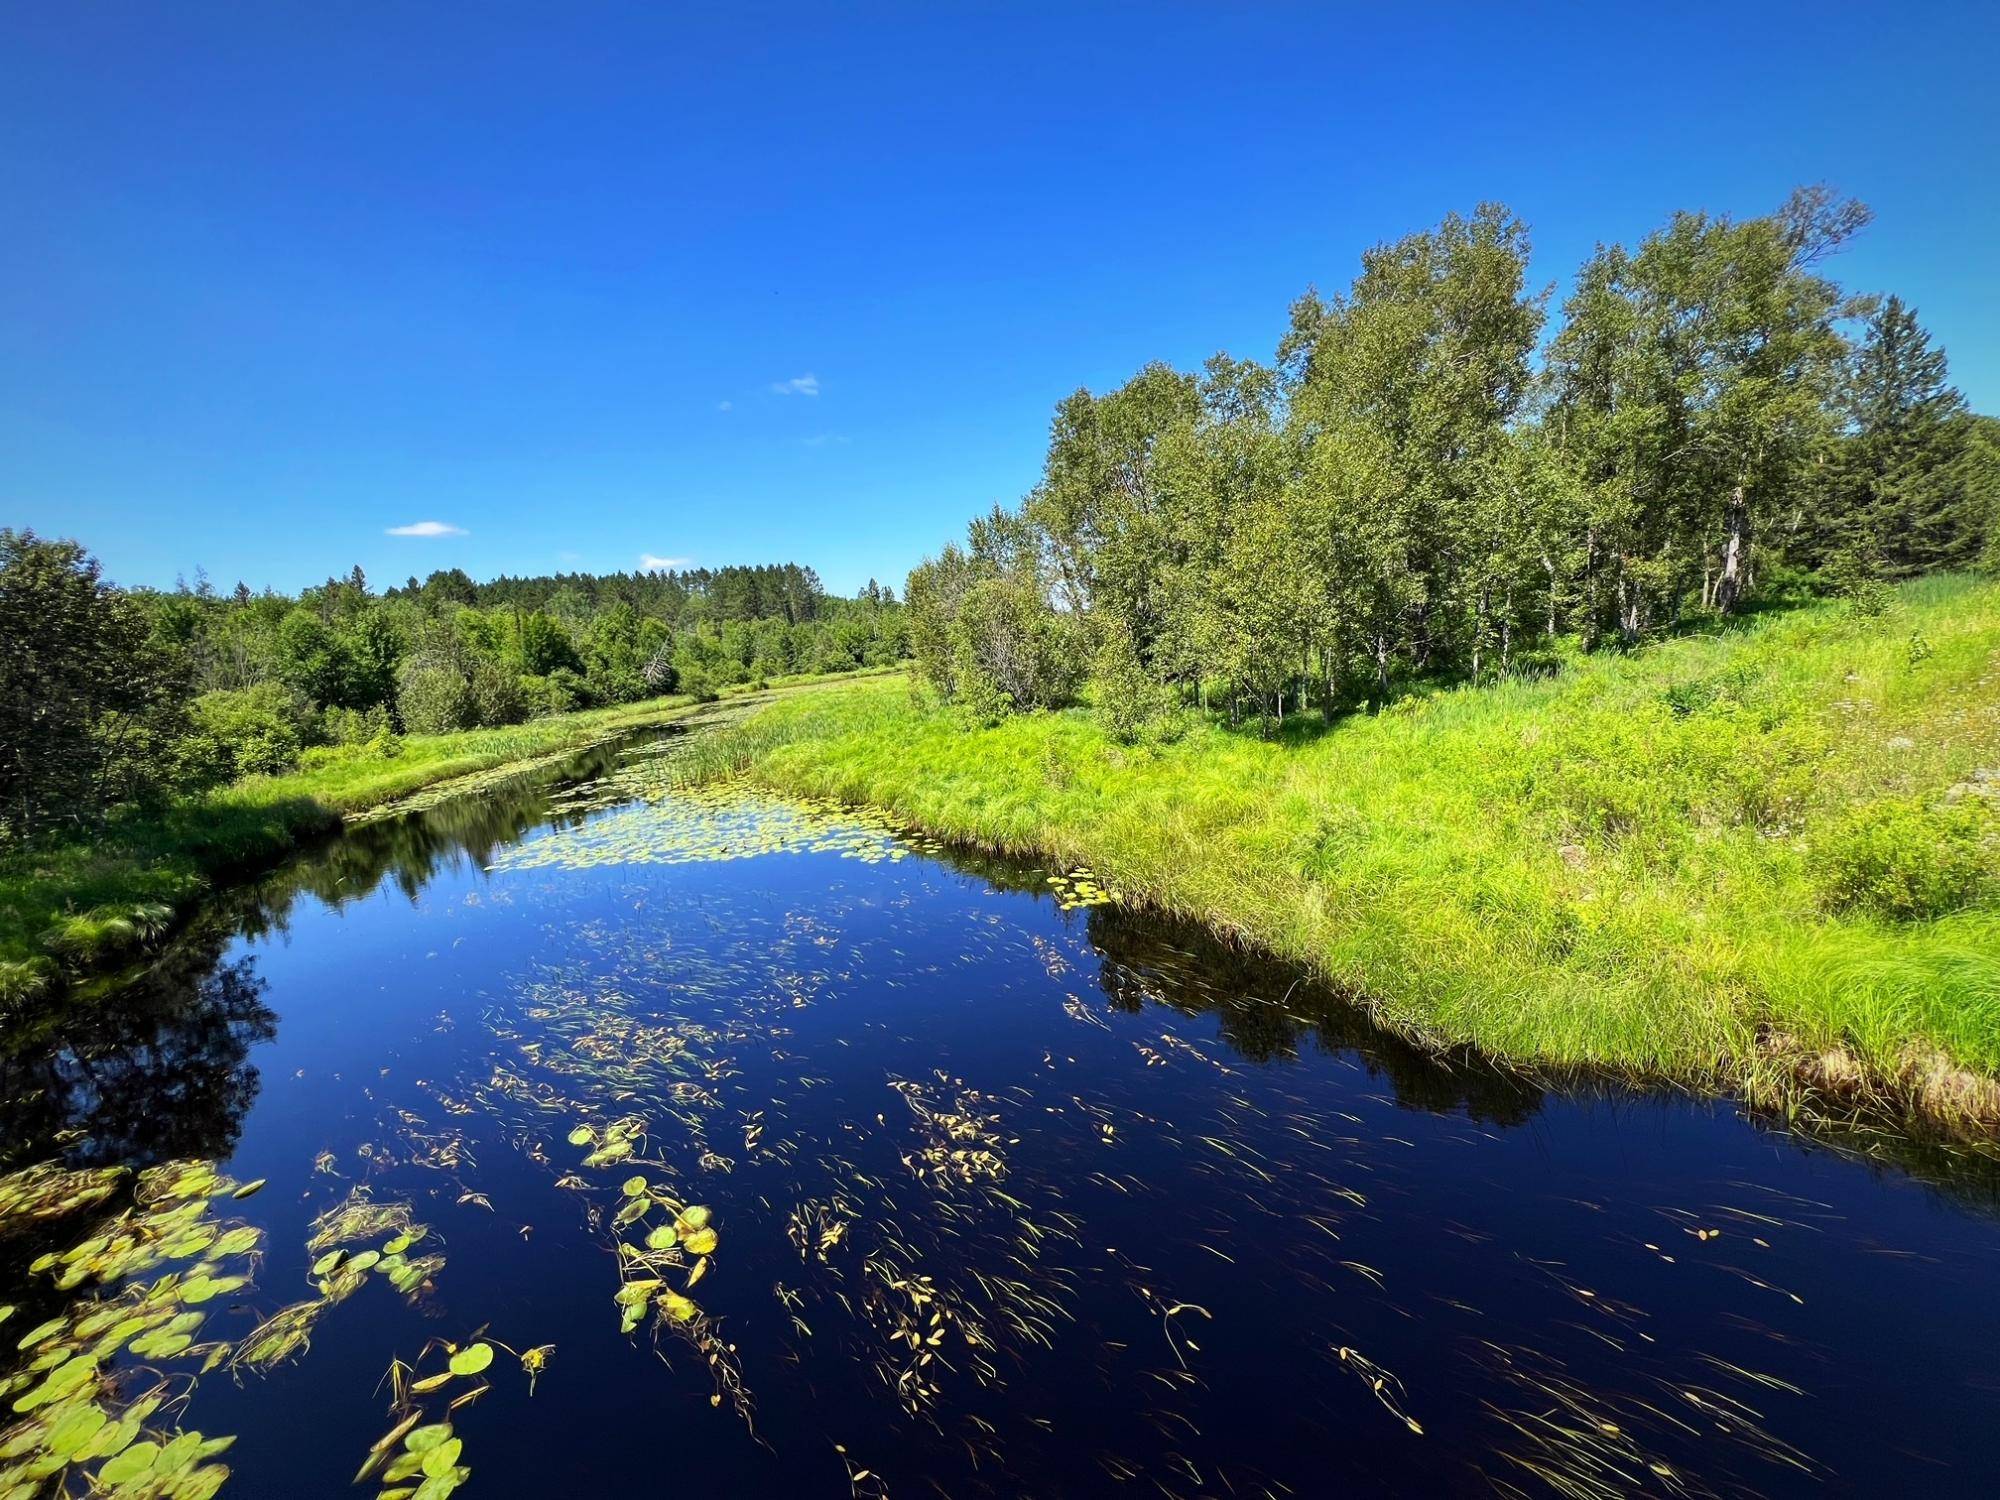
(472, 1359)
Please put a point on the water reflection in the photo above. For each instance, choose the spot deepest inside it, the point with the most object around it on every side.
(158, 1071)
(1267, 1011)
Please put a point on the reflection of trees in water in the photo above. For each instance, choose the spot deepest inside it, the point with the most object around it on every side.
(413, 849)
(1266, 1010)
(158, 1070)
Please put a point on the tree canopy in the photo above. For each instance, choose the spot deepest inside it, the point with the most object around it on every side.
(1421, 484)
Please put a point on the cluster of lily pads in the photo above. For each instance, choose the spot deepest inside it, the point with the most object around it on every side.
(1080, 888)
(722, 820)
(340, 1270)
(418, 1459)
(84, 1401)
(682, 1244)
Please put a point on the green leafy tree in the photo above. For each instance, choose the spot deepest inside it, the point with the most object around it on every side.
(1692, 389)
(89, 701)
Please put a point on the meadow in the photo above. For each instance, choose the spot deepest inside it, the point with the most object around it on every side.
(1764, 859)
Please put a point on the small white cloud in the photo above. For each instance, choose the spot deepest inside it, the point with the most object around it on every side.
(427, 528)
(798, 385)
(648, 563)
(725, 406)
(568, 556)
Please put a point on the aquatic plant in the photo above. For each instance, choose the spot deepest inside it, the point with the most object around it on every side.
(85, 1418)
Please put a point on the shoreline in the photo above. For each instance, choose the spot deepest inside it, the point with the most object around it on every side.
(74, 910)
(1439, 859)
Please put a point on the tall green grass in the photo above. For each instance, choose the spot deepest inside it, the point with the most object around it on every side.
(1770, 843)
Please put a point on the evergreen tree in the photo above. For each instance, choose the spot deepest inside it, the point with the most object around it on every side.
(1901, 502)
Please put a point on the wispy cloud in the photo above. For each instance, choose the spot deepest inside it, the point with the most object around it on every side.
(648, 563)
(428, 528)
(821, 439)
(725, 406)
(799, 385)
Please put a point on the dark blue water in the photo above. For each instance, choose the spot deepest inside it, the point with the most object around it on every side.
(1180, 1222)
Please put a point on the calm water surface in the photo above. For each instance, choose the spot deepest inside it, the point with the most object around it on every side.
(1011, 1196)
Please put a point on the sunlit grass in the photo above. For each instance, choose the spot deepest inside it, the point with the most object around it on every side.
(1684, 861)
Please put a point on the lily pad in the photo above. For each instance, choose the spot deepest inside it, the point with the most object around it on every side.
(472, 1359)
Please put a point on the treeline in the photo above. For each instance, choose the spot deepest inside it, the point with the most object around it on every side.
(783, 591)
(111, 696)
(1422, 485)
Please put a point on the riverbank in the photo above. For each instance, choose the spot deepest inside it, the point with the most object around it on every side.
(73, 906)
(1765, 861)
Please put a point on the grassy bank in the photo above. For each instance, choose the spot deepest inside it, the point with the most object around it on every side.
(73, 905)
(1767, 859)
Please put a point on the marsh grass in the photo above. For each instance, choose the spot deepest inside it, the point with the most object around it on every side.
(1734, 860)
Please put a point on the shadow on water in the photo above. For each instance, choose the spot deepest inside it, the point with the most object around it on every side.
(1268, 1011)
(161, 1070)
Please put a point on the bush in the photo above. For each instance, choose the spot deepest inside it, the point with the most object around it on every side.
(1908, 862)
(254, 731)
(1127, 697)
(432, 698)
(355, 726)
(1006, 635)
(544, 697)
(496, 696)
(977, 695)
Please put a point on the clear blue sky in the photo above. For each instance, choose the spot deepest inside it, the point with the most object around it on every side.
(276, 278)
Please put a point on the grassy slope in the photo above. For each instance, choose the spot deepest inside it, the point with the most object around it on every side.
(1621, 867)
(73, 895)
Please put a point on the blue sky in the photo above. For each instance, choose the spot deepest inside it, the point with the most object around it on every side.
(743, 283)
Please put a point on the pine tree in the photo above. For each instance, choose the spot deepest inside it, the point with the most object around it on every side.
(1903, 504)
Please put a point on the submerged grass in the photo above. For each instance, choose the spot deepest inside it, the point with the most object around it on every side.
(82, 903)
(1767, 858)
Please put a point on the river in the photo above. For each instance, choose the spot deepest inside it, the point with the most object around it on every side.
(933, 1177)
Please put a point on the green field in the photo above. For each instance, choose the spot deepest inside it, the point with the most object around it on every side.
(1766, 859)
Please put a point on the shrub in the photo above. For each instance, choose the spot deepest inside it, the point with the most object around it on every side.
(432, 698)
(1006, 634)
(1127, 698)
(355, 726)
(496, 696)
(253, 731)
(1908, 862)
(545, 696)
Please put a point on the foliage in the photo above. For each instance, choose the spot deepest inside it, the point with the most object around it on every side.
(433, 697)
(1405, 498)
(90, 699)
(111, 697)
(253, 731)
(1905, 860)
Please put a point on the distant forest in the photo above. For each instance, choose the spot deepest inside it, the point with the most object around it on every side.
(111, 696)
(1426, 485)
